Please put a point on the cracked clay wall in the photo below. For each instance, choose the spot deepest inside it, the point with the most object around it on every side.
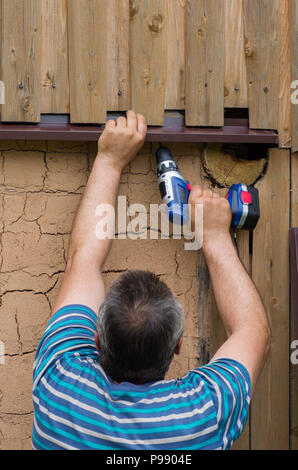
(41, 186)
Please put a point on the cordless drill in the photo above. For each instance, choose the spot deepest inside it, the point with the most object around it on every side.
(175, 190)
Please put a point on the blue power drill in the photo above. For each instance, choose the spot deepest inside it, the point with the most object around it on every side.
(175, 190)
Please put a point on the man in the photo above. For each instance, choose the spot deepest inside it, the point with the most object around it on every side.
(99, 383)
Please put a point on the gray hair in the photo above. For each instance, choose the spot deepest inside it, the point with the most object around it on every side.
(139, 326)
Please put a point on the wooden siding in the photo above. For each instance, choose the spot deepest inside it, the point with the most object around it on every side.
(87, 57)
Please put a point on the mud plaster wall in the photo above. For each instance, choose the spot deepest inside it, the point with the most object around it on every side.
(41, 186)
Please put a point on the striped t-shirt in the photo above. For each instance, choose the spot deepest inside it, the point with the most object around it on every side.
(78, 406)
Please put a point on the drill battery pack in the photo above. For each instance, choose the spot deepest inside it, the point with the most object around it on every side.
(244, 202)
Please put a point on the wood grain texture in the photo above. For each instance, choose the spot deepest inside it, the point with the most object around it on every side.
(87, 60)
(294, 367)
(21, 58)
(205, 63)
(148, 53)
(284, 96)
(175, 85)
(1, 76)
(235, 70)
(225, 168)
(294, 77)
(118, 73)
(261, 50)
(270, 272)
(54, 57)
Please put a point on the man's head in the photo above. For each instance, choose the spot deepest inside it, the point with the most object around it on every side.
(139, 329)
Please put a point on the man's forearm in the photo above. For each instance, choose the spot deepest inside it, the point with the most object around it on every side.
(118, 145)
(237, 299)
(102, 188)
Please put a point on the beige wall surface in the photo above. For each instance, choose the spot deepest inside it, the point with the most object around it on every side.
(41, 186)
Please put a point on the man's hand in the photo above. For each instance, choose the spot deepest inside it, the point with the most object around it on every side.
(118, 145)
(216, 214)
(237, 299)
(122, 139)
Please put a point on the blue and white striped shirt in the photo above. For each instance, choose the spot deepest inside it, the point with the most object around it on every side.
(77, 406)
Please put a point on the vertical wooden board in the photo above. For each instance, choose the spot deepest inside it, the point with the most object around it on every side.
(294, 367)
(21, 58)
(54, 58)
(235, 71)
(294, 77)
(148, 53)
(118, 82)
(1, 77)
(270, 272)
(284, 96)
(261, 50)
(88, 38)
(175, 84)
(205, 51)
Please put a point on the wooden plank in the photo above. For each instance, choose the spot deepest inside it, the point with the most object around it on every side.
(261, 50)
(294, 367)
(175, 85)
(294, 60)
(1, 76)
(284, 113)
(235, 70)
(148, 52)
(21, 58)
(54, 58)
(205, 63)
(118, 82)
(270, 272)
(87, 60)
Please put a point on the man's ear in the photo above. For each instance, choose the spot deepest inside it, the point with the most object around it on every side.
(97, 341)
(178, 347)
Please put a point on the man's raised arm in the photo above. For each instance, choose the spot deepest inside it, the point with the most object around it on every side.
(237, 299)
(117, 146)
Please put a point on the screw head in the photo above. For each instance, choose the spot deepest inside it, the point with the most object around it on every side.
(21, 86)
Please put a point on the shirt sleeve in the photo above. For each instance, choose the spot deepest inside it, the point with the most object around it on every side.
(71, 329)
(230, 387)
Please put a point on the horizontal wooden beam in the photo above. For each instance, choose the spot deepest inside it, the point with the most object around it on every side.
(58, 127)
